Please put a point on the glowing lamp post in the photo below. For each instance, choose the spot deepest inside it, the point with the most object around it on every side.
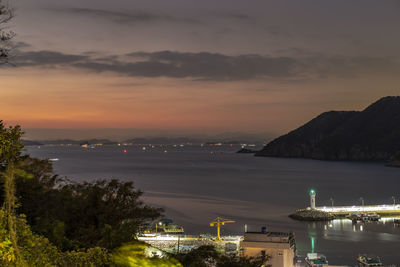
(312, 199)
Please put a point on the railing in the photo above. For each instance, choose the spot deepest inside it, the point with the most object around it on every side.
(349, 209)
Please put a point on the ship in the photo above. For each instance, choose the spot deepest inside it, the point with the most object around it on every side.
(316, 260)
(366, 261)
(165, 226)
(365, 217)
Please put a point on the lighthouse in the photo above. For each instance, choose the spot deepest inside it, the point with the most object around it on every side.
(312, 199)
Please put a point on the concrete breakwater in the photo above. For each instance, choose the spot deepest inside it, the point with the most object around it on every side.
(312, 215)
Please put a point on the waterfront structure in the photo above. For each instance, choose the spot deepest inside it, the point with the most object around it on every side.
(383, 210)
(184, 243)
(281, 246)
(342, 211)
(166, 226)
(316, 260)
(218, 222)
(312, 199)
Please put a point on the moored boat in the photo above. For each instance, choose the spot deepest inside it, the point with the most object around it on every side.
(367, 261)
(365, 217)
(316, 260)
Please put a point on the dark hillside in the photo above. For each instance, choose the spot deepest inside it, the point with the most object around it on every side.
(372, 134)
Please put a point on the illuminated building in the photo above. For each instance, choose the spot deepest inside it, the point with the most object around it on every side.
(280, 246)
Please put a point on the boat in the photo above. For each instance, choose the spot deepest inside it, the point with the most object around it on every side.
(365, 260)
(365, 217)
(396, 221)
(316, 260)
(373, 217)
(165, 226)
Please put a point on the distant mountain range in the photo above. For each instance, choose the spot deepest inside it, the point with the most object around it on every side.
(67, 141)
(369, 135)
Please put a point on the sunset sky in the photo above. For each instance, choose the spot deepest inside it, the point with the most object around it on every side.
(194, 66)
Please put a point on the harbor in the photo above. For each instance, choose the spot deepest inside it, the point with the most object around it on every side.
(165, 237)
(258, 202)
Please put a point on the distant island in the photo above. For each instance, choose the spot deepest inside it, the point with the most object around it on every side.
(369, 135)
(212, 141)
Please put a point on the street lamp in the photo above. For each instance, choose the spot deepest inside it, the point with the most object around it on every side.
(362, 201)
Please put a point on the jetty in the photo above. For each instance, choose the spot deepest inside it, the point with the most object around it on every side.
(314, 213)
(383, 210)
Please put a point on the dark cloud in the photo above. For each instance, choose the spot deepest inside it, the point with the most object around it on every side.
(21, 45)
(208, 66)
(213, 66)
(125, 17)
(46, 58)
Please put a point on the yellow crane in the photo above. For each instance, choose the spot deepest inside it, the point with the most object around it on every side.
(218, 222)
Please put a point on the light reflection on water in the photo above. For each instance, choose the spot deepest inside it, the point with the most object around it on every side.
(197, 184)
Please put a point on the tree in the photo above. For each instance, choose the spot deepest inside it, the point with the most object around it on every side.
(73, 215)
(36, 250)
(6, 15)
(10, 154)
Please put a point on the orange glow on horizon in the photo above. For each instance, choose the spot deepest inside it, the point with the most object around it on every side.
(71, 99)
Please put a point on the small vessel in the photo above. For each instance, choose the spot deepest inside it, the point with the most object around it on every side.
(365, 260)
(396, 221)
(365, 217)
(372, 217)
(165, 226)
(55, 159)
(316, 260)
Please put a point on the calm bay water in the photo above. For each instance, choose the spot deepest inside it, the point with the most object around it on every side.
(196, 184)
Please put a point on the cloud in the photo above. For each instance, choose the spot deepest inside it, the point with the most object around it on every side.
(46, 58)
(21, 45)
(125, 17)
(214, 66)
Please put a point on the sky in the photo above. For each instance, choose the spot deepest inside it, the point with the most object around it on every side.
(189, 67)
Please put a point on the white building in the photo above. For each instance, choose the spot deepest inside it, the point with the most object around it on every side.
(279, 245)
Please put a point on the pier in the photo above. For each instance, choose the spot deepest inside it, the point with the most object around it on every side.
(326, 213)
(383, 210)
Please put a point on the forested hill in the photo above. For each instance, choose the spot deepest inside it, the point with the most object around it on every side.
(371, 134)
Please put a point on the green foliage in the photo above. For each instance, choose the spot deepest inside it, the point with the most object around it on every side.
(7, 254)
(133, 255)
(96, 257)
(205, 256)
(81, 215)
(36, 250)
(10, 154)
(75, 217)
(10, 144)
